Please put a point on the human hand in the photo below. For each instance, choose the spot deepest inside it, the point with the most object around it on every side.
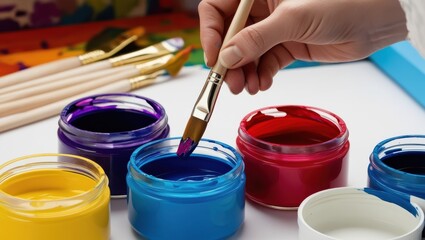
(280, 32)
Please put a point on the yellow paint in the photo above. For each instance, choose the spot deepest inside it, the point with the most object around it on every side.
(56, 206)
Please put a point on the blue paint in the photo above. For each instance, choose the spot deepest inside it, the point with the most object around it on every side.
(403, 202)
(196, 168)
(198, 197)
(397, 166)
(412, 162)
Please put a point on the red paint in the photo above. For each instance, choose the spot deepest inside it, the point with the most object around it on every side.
(291, 152)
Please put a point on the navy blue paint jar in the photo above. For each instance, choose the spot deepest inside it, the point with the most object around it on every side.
(199, 197)
(397, 166)
(107, 128)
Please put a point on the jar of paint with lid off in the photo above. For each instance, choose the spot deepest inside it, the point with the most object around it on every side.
(291, 152)
(358, 213)
(107, 128)
(54, 196)
(397, 165)
(196, 197)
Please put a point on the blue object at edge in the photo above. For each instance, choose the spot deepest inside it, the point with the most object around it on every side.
(400, 200)
(403, 63)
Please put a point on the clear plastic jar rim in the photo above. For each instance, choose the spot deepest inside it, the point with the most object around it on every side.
(103, 138)
(397, 144)
(187, 186)
(89, 169)
(337, 142)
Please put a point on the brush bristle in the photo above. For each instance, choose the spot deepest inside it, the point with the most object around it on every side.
(177, 62)
(122, 41)
(184, 54)
(137, 31)
(195, 128)
(186, 147)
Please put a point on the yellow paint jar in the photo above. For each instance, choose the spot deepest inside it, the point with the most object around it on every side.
(53, 196)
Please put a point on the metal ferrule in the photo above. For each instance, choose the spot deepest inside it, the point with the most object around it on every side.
(148, 53)
(208, 96)
(90, 57)
(144, 80)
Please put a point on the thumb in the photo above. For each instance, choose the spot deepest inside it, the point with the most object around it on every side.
(253, 41)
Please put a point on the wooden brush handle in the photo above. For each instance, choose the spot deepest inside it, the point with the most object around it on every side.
(57, 76)
(205, 103)
(238, 22)
(39, 71)
(27, 93)
(49, 110)
(36, 101)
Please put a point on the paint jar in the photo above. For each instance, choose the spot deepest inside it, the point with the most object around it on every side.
(351, 213)
(107, 128)
(53, 196)
(397, 166)
(291, 152)
(196, 197)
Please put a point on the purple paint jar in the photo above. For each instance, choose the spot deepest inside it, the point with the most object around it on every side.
(107, 128)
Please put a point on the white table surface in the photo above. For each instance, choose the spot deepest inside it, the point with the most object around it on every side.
(373, 107)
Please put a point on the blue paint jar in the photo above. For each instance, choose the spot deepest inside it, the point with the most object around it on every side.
(397, 166)
(199, 197)
(107, 128)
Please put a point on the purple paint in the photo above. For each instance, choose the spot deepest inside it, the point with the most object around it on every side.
(44, 14)
(22, 66)
(7, 8)
(108, 128)
(186, 147)
(44, 44)
(176, 42)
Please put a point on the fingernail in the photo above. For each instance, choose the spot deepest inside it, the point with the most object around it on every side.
(230, 56)
(205, 59)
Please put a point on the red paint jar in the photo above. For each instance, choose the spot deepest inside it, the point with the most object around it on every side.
(291, 152)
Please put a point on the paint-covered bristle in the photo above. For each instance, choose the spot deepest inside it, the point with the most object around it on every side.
(175, 43)
(186, 147)
(195, 128)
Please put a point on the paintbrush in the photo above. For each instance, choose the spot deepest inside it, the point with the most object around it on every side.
(125, 85)
(103, 52)
(171, 63)
(205, 103)
(156, 50)
(107, 75)
(52, 86)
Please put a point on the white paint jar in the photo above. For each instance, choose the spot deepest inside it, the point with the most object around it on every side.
(355, 213)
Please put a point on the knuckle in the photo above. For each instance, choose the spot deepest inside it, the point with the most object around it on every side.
(202, 6)
(255, 39)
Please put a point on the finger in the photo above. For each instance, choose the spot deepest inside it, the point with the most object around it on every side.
(271, 62)
(212, 21)
(299, 51)
(253, 41)
(235, 80)
(252, 82)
